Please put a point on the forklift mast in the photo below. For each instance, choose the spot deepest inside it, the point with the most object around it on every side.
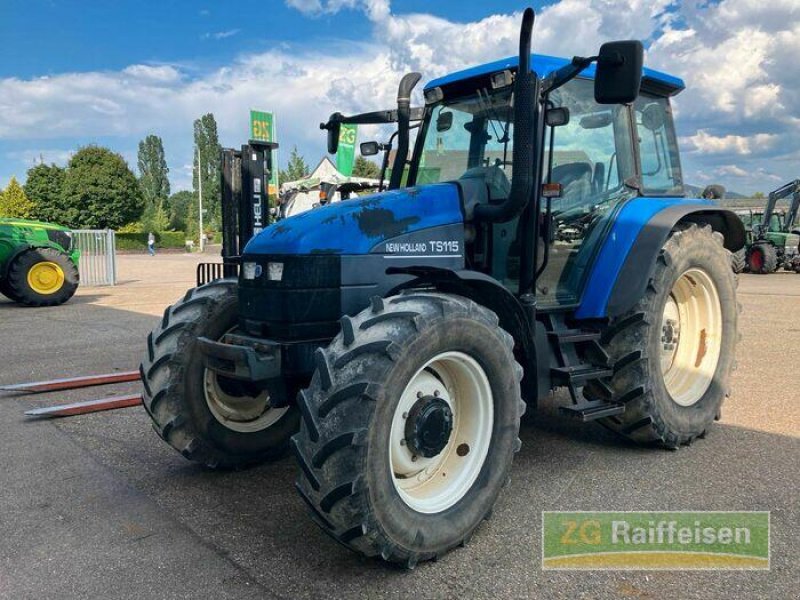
(790, 189)
(244, 198)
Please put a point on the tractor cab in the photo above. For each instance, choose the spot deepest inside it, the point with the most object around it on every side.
(592, 158)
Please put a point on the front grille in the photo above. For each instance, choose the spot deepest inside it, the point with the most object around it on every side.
(304, 304)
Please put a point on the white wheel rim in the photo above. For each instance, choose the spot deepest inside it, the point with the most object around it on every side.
(691, 337)
(245, 414)
(431, 485)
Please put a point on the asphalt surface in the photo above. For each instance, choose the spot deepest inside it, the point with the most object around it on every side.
(97, 506)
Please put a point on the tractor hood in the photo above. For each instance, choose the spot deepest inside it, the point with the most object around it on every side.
(11, 222)
(357, 226)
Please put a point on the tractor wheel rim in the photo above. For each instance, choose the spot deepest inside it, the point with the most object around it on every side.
(238, 411)
(46, 278)
(691, 337)
(756, 259)
(459, 435)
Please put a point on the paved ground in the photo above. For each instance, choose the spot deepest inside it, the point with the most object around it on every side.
(97, 507)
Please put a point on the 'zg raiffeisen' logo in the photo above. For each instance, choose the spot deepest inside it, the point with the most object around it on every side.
(662, 540)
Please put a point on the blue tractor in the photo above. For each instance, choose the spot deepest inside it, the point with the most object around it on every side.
(393, 342)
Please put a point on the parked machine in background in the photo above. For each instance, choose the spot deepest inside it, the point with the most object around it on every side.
(394, 342)
(773, 238)
(38, 264)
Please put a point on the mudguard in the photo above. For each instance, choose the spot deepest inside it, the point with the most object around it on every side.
(625, 263)
(488, 292)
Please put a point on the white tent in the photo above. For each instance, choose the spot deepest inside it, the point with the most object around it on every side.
(303, 194)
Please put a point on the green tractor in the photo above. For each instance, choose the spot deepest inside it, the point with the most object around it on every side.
(38, 265)
(773, 239)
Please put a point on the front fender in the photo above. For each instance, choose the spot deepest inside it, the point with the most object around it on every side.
(488, 292)
(626, 261)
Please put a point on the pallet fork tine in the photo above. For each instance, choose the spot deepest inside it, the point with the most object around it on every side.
(71, 383)
(89, 406)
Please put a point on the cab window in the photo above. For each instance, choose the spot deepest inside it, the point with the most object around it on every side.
(658, 147)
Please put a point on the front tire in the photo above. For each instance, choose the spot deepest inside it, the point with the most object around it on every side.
(209, 419)
(674, 352)
(409, 426)
(41, 277)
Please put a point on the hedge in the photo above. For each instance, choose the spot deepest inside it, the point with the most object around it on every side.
(138, 241)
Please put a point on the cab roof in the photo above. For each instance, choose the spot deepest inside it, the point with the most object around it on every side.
(652, 81)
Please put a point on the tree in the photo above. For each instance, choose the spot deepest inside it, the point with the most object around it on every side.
(759, 196)
(14, 203)
(366, 168)
(206, 144)
(153, 170)
(100, 191)
(296, 169)
(180, 207)
(45, 187)
(155, 217)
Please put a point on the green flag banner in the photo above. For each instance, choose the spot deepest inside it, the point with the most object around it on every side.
(262, 129)
(346, 154)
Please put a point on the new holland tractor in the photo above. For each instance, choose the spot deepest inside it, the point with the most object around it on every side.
(38, 265)
(393, 342)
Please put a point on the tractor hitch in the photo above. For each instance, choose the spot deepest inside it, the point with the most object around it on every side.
(242, 357)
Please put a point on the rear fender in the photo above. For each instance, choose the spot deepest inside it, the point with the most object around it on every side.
(626, 262)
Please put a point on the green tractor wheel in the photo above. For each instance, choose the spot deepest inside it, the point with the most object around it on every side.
(41, 277)
(762, 258)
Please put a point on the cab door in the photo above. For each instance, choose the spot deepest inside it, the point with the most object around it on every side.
(593, 162)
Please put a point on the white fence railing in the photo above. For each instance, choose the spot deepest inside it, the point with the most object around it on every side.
(98, 262)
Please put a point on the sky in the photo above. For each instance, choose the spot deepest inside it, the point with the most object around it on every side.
(77, 72)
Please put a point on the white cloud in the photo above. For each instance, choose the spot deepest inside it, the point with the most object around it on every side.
(706, 143)
(741, 107)
(221, 35)
(732, 170)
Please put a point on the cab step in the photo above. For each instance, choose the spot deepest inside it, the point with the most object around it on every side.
(573, 336)
(579, 374)
(592, 409)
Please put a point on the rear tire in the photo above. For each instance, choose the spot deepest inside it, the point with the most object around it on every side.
(762, 259)
(6, 290)
(358, 471)
(189, 404)
(739, 260)
(41, 277)
(674, 352)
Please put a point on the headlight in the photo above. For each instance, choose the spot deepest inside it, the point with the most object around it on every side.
(275, 271)
(251, 270)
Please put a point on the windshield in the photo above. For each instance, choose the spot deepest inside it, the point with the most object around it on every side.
(468, 133)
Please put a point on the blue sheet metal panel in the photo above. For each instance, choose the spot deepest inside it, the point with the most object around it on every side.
(355, 226)
(621, 239)
(543, 65)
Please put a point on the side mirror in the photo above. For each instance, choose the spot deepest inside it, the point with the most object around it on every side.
(596, 120)
(369, 148)
(444, 121)
(333, 127)
(557, 117)
(619, 72)
(334, 130)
